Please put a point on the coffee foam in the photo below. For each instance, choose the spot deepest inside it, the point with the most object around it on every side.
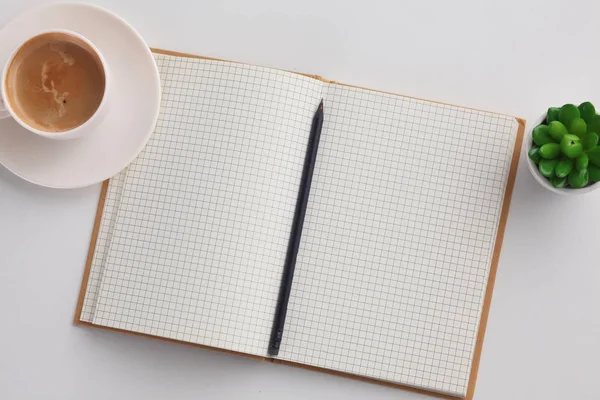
(59, 98)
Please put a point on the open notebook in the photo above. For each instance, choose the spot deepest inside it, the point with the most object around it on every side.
(400, 242)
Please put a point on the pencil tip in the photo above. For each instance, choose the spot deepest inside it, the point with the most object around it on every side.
(321, 105)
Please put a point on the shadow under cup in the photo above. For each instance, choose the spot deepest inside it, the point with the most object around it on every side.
(55, 83)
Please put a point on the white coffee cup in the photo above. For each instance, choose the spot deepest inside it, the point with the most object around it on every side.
(88, 126)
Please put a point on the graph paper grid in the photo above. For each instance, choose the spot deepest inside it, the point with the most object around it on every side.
(398, 239)
(201, 231)
(107, 225)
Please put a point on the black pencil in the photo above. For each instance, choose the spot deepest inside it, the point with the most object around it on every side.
(296, 233)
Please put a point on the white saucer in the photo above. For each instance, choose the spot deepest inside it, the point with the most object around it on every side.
(133, 106)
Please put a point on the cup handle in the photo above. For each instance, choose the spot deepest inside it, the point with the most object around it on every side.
(3, 111)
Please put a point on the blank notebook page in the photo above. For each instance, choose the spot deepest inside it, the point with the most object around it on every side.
(398, 239)
(202, 227)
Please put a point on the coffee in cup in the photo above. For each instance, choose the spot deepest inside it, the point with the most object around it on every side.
(55, 82)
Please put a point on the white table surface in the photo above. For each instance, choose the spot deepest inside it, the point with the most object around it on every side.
(514, 57)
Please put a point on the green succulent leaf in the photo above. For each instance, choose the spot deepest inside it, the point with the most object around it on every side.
(587, 110)
(593, 124)
(578, 127)
(578, 179)
(557, 130)
(568, 113)
(589, 140)
(559, 182)
(563, 167)
(546, 167)
(534, 154)
(594, 156)
(541, 135)
(594, 173)
(552, 114)
(550, 150)
(582, 162)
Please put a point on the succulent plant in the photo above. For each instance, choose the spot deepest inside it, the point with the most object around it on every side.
(565, 147)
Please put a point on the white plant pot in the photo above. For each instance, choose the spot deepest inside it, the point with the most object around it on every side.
(542, 179)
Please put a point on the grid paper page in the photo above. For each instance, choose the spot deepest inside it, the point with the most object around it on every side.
(202, 229)
(398, 239)
(107, 224)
